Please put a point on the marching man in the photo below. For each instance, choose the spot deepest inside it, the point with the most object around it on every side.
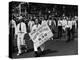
(59, 28)
(20, 32)
(49, 21)
(36, 25)
(43, 21)
(50, 24)
(64, 23)
(12, 33)
(69, 27)
(30, 24)
(74, 26)
(13, 27)
(53, 25)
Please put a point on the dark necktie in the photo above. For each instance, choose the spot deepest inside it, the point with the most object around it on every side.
(20, 27)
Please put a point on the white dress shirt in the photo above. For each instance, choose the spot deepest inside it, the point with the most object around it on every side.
(69, 24)
(74, 23)
(43, 21)
(23, 28)
(59, 23)
(35, 27)
(64, 24)
(30, 24)
(13, 23)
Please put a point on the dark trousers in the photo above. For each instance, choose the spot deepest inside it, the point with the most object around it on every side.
(59, 31)
(73, 32)
(11, 40)
(68, 34)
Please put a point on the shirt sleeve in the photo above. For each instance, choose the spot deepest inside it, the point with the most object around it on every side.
(16, 30)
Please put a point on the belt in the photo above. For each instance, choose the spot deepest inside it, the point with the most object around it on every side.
(21, 32)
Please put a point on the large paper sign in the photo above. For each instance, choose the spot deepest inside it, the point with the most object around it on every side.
(41, 35)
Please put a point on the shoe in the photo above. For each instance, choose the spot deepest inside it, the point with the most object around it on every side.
(37, 54)
(18, 54)
(42, 53)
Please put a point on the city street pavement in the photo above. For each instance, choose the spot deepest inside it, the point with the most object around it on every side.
(54, 47)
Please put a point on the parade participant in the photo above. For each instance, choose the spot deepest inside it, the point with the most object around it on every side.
(30, 24)
(12, 26)
(49, 22)
(64, 23)
(76, 19)
(69, 27)
(43, 21)
(20, 32)
(59, 28)
(73, 27)
(36, 25)
(53, 26)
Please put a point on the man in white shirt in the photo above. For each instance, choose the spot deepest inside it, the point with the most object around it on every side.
(13, 23)
(49, 23)
(74, 26)
(76, 19)
(13, 26)
(30, 24)
(20, 32)
(69, 27)
(53, 24)
(59, 28)
(12, 29)
(64, 23)
(44, 21)
(53, 27)
(35, 26)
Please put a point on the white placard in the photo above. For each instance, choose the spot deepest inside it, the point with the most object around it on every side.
(41, 35)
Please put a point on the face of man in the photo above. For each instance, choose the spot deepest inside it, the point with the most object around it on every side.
(31, 18)
(36, 21)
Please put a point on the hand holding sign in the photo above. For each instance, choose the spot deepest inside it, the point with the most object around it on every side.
(42, 34)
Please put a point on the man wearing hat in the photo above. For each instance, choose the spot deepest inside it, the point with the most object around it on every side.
(20, 32)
